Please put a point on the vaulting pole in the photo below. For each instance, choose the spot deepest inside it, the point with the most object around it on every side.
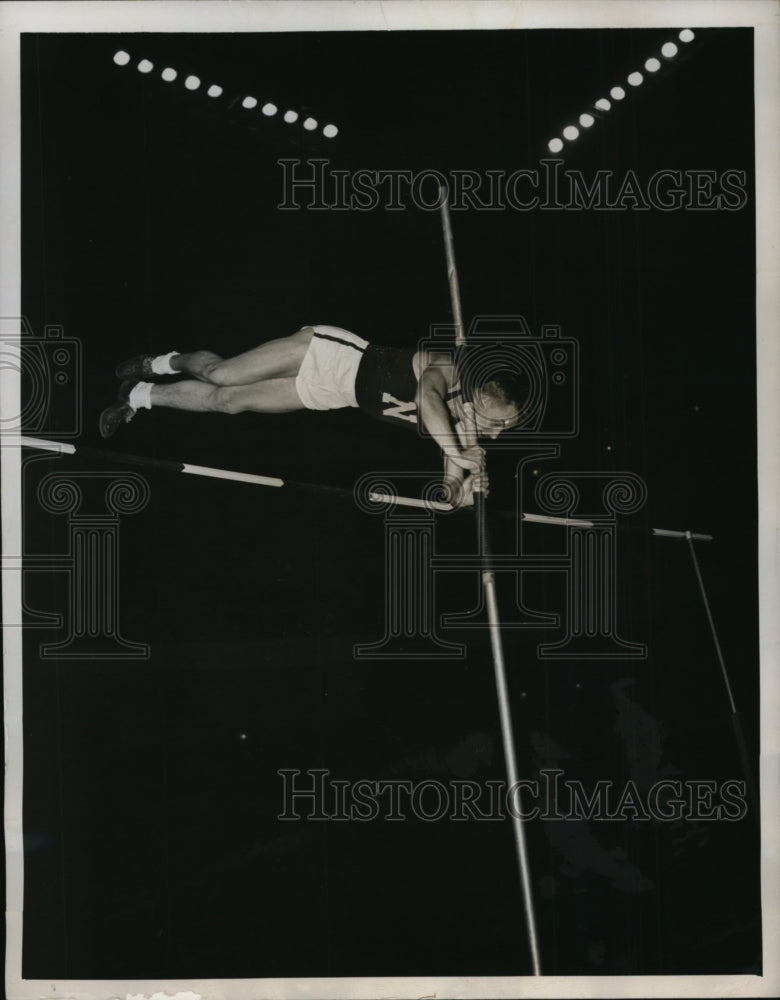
(494, 626)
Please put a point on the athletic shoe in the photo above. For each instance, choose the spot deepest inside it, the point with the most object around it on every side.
(119, 412)
(138, 368)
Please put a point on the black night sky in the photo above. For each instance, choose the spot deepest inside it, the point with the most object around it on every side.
(150, 223)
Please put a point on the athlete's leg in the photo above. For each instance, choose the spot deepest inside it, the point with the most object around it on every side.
(275, 359)
(276, 395)
(198, 364)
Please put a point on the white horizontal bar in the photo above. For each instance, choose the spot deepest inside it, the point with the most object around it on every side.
(666, 533)
(58, 446)
(547, 519)
(240, 477)
(410, 502)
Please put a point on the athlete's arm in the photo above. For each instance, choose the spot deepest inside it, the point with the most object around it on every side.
(464, 468)
(454, 476)
(432, 409)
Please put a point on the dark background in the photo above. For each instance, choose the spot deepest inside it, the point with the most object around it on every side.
(151, 792)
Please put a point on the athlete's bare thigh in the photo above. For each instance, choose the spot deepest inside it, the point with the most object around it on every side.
(276, 395)
(276, 359)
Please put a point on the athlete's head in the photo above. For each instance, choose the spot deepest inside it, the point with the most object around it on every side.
(499, 401)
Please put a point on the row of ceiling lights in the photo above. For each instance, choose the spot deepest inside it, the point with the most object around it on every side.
(668, 50)
(193, 83)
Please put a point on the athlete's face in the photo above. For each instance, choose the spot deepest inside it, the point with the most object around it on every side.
(493, 416)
